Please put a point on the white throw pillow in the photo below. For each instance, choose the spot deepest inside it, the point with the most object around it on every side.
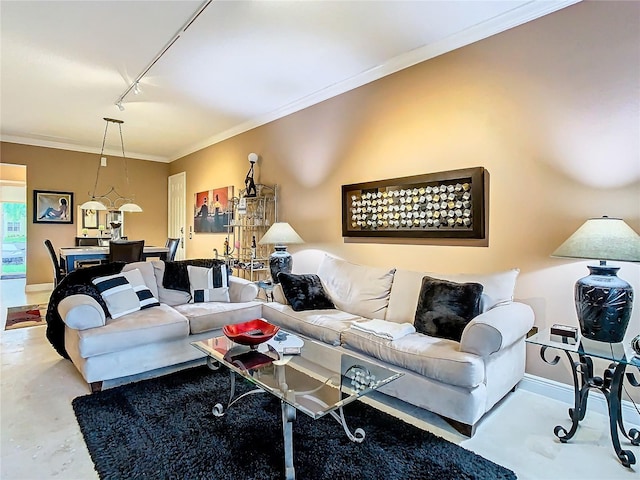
(146, 269)
(125, 293)
(118, 294)
(357, 289)
(498, 286)
(144, 293)
(208, 284)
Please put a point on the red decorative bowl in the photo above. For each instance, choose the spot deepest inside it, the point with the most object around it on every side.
(252, 333)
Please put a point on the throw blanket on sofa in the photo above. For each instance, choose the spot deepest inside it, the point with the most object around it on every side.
(383, 329)
(176, 276)
(79, 282)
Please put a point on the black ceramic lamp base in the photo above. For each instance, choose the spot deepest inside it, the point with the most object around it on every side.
(603, 302)
(280, 261)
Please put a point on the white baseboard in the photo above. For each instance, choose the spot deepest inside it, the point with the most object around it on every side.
(38, 287)
(564, 393)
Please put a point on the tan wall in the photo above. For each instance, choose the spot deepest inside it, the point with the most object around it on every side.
(550, 109)
(63, 170)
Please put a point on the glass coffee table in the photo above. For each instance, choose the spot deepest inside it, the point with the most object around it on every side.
(312, 382)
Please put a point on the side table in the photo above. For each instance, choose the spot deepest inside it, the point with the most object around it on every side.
(581, 355)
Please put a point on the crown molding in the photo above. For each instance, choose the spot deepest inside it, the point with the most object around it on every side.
(513, 18)
(80, 148)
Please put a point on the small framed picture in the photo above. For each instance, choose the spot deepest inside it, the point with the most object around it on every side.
(90, 218)
(52, 207)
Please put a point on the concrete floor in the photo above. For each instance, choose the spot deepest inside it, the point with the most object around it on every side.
(40, 438)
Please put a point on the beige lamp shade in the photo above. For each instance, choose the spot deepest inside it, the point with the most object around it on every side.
(280, 233)
(130, 207)
(93, 205)
(602, 239)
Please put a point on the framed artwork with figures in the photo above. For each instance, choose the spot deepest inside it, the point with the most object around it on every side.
(211, 210)
(52, 207)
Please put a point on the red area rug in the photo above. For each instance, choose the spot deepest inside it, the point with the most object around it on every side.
(25, 316)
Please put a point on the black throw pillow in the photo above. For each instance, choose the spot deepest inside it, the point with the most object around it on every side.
(445, 308)
(304, 292)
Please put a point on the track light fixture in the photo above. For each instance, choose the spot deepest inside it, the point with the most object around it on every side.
(135, 85)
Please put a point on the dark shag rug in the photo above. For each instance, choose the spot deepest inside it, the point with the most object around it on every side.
(163, 428)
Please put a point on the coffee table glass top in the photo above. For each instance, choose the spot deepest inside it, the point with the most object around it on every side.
(618, 352)
(312, 382)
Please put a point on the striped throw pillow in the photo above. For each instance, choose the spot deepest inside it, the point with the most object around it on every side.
(208, 284)
(118, 294)
(125, 293)
(143, 292)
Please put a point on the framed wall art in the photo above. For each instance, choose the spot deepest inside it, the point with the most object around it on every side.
(90, 218)
(52, 207)
(447, 204)
(211, 210)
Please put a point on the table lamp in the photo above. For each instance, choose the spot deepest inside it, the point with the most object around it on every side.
(280, 234)
(603, 300)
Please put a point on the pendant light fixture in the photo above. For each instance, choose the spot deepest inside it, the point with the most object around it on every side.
(112, 200)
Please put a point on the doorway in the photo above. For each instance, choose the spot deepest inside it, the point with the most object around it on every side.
(177, 211)
(13, 221)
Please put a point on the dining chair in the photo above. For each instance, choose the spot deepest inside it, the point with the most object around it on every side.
(172, 244)
(87, 242)
(58, 272)
(128, 251)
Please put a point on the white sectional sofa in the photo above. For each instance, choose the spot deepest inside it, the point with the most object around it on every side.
(104, 348)
(459, 380)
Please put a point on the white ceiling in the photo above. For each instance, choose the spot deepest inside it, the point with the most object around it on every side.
(240, 64)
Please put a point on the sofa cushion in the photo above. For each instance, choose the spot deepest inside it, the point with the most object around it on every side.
(208, 284)
(176, 275)
(435, 358)
(153, 325)
(167, 295)
(148, 275)
(497, 289)
(356, 289)
(323, 325)
(205, 317)
(304, 292)
(445, 308)
(118, 294)
(147, 300)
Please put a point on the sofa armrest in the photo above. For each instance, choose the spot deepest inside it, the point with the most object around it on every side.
(241, 290)
(496, 329)
(81, 312)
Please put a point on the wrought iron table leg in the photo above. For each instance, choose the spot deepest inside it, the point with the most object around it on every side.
(612, 390)
(611, 386)
(288, 416)
(634, 434)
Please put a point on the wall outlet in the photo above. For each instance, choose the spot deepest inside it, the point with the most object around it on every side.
(103, 161)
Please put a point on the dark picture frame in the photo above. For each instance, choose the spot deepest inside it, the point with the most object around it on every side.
(448, 204)
(53, 207)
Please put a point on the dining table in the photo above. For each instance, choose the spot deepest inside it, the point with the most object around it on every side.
(72, 257)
